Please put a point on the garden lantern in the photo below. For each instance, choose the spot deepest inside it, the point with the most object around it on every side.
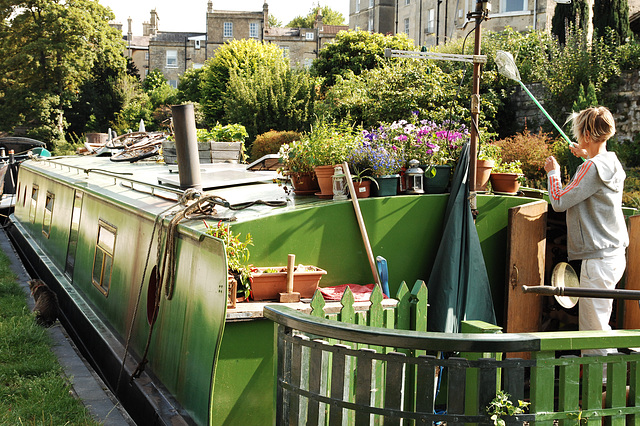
(339, 184)
(414, 177)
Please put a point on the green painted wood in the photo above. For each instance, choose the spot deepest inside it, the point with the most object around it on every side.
(419, 295)
(569, 387)
(347, 312)
(616, 391)
(364, 388)
(403, 309)
(393, 386)
(592, 390)
(317, 305)
(337, 368)
(634, 391)
(456, 376)
(542, 379)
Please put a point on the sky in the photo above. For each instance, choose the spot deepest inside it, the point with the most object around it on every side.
(190, 15)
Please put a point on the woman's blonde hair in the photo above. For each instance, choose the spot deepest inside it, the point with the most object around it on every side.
(597, 122)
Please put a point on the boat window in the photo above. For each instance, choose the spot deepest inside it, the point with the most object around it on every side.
(24, 196)
(103, 258)
(34, 203)
(73, 234)
(48, 213)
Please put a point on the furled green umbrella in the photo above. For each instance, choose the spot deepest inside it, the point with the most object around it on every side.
(459, 285)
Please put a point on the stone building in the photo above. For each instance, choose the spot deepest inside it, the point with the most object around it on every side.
(173, 53)
(433, 22)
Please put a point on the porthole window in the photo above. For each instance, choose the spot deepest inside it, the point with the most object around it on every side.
(48, 214)
(103, 257)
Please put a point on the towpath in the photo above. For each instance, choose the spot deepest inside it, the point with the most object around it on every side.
(85, 382)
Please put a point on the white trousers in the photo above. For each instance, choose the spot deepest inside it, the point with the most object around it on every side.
(594, 314)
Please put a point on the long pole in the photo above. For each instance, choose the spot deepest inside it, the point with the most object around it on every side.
(475, 106)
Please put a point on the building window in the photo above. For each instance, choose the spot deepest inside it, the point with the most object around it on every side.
(172, 59)
(371, 3)
(173, 83)
(370, 23)
(34, 203)
(513, 5)
(309, 36)
(196, 44)
(407, 2)
(357, 6)
(406, 25)
(48, 214)
(253, 30)
(227, 29)
(103, 257)
(74, 231)
(146, 55)
(285, 51)
(431, 21)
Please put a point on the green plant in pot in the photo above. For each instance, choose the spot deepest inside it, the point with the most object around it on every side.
(237, 252)
(297, 164)
(506, 177)
(488, 155)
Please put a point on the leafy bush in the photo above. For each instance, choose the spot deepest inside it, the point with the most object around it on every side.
(270, 143)
(531, 149)
(270, 98)
(245, 54)
(628, 152)
(220, 133)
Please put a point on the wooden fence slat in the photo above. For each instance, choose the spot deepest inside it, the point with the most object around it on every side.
(315, 378)
(456, 376)
(616, 392)
(426, 384)
(317, 305)
(513, 379)
(403, 309)
(337, 386)
(363, 387)
(419, 295)
(393, 386)
(487, 384)
(347, 312)
(281, 371)
(296, 374)
(592, 390)
(569, 387)
(542, 380)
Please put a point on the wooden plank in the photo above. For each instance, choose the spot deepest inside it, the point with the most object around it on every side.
(634, 392)
(315, 378)
(337, 386)
(631, 316)
(514, 382)
(426, 384)
(526, 244)
(456, 381)
(542, 380)
(363, 387)
(592, 391)
(393, 386)
(616, 392)
(569, 387)
(296, 374)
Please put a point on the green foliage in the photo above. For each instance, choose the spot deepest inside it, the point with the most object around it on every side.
(49, 50)
(220, 133)
(352, 52)
(135, 109)
(238, 55)
(270, 99)
(330, 142)
(270, 143)
(628, 152)
(237, 253)
(329, 17)
(585, 100)
(631, 193)
(531, 149)
(612, 15)
(189, 86)
(274, 22)
(502, 406)
(154, 80)
(576, 14)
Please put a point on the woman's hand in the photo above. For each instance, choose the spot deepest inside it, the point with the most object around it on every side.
(577, 151)
(551, 164)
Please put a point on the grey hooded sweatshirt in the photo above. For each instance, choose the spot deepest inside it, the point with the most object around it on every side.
(593, 202)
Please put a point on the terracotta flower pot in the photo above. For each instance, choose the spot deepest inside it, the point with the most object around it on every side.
(483, 172)
(324, 173)
(505, 182)
(363, 189)
(304, 183)
(268, 285)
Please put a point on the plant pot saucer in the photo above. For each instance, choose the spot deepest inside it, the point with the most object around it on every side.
(312, 192)
(505, 193)
(324, 196)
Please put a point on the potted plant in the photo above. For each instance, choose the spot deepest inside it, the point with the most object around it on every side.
(362, 182)
(507, 177)
(218, 144)
(237, 257)
(297, 164)
(268, 282)
(449, 138)
(488, 155)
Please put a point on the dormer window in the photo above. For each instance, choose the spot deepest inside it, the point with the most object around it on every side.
(309, 36)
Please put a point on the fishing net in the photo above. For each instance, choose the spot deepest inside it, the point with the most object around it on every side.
(506, 65)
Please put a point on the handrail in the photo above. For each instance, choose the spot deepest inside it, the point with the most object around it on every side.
(453, 342)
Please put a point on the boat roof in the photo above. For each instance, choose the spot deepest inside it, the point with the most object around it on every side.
(155, 186)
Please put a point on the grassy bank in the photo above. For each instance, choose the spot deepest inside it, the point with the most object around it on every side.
(33, 390)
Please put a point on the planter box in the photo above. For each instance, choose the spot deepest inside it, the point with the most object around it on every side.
(269, 285)
(209, 152)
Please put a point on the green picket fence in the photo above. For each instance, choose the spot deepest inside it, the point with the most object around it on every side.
(382, 367)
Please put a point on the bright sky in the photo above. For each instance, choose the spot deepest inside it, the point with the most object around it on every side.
(190, 15)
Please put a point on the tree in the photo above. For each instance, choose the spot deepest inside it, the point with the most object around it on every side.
(274, 22)
(575, 14)
(238, 55)
(48, 51)
(329, 17)
(270, 99)
(189, 86)
(612, 14)
(354, 52)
